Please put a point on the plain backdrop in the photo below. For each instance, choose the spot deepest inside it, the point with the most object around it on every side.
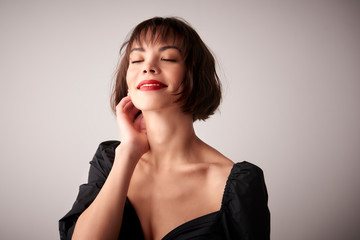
(291, 79)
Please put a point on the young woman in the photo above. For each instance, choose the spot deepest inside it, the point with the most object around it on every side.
(162, 181)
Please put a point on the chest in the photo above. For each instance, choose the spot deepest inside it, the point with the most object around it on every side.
(163, 203)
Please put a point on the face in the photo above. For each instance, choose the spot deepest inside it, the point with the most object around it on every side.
(155, 75)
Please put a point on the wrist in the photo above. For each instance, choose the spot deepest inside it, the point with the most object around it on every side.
(125, 153)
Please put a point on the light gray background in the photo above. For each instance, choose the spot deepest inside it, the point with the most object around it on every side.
(291, 75)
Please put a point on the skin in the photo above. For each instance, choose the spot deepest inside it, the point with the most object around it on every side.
(169, 175)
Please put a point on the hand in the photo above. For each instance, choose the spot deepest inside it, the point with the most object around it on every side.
(132, 131)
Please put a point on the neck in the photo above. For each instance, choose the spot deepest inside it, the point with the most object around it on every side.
(171, 138)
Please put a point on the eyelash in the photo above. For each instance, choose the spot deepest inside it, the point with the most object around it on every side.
(168, 60)
(137, 61)
(163, 59)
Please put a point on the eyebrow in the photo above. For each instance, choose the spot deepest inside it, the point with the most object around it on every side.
(140, 49)
(137, 49)
(169, 47)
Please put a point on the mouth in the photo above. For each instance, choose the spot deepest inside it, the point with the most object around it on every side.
(150, 85)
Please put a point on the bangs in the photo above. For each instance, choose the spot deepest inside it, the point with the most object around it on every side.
(160, 30)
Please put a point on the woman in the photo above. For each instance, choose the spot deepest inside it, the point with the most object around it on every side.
(162, 181)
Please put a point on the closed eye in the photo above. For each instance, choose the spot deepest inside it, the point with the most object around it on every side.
(168, 60)
(137, 61)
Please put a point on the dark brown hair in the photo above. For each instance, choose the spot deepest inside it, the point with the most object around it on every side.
(201, 93)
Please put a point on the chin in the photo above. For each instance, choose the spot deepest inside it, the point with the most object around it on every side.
(154, 103)
(149, 105)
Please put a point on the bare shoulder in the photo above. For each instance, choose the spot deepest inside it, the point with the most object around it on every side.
(220, 169)
(217, 174)
(216, 158)
(219, 166)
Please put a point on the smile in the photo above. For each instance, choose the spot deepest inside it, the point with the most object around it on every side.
(150, 85)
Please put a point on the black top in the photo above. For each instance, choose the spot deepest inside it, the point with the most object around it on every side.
(244, 213)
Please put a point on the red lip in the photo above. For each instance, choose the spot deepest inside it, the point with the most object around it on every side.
(150, 85)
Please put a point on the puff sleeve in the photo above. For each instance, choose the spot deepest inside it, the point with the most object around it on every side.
(100, 167)
(245, 210)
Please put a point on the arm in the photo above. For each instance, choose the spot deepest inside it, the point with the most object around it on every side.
(247, 203)
(103, 218)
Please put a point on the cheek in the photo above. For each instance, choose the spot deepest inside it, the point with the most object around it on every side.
(129, 78)
(181, 75)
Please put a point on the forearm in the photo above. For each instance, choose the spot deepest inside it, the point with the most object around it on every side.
(103, 218)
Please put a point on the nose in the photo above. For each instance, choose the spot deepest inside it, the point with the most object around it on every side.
(151, 68)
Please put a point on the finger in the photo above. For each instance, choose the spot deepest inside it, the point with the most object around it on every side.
(127, 107)
(131, 110)
(139, 123)
(122, 103)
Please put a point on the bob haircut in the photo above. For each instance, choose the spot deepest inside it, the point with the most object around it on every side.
(201, 94)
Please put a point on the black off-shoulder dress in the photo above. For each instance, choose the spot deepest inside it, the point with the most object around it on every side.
(244, 213)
